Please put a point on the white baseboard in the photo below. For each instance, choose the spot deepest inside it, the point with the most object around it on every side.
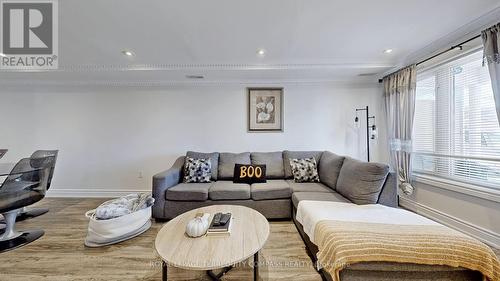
(485, 235)
(92, 193)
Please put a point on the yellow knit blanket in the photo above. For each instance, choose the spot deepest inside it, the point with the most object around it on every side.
(343, 243)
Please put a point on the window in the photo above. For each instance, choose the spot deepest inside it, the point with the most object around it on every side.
(456, 131)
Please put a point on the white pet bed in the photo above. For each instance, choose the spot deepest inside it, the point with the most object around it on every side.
(111, 231)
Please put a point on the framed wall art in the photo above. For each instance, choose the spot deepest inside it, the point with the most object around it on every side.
(265, 109)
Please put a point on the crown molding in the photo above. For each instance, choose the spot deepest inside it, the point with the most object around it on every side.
(214, 66)
(358, 82)
(51, 78)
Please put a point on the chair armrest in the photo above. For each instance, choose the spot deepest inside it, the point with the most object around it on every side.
(167, 179)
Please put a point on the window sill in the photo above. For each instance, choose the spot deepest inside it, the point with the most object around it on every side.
(460, 187)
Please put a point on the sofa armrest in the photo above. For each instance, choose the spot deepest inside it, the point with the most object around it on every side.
(389, 194)
(163, 181)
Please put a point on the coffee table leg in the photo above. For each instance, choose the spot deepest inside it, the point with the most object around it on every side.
(217, 277)
(255, 266)
(164, 271)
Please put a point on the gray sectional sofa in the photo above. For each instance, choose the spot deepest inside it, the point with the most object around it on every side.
(275, 199)
(280, 196)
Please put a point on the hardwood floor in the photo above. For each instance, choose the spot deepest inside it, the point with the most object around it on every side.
(61, 255)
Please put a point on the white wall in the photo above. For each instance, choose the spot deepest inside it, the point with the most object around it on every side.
(109, 137)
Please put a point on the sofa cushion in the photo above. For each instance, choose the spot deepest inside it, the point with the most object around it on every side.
(188, 192)
(273, 161)
(304, 170)
(214, 159)
(308, 186)
(361, 182)
(272, 189)
(329, 168)
(197, 170)
(318, 196)
(287, 155)
(249, 173)
(227, 190)
(227, 161)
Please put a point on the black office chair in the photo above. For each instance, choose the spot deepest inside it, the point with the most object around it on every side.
(19, 190)
(26, 213)
(47, 153)
(2, 152)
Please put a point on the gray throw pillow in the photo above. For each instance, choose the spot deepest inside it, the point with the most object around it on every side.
(329, 168)
(227, 162)
(287, 155)
(214, 159)
(197, 170)
(273, 162)
(304, 170)
(361, 182)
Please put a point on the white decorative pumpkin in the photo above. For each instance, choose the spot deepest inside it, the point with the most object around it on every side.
(197, 226)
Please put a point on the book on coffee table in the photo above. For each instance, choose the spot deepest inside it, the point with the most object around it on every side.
(225, 229)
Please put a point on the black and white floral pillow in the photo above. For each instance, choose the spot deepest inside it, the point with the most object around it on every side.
(304, 170)
(197, 170)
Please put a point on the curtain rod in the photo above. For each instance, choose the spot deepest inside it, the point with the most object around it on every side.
(458, 46)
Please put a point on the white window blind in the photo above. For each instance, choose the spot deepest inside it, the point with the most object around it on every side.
(456, 131)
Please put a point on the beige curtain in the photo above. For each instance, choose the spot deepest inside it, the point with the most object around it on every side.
(491, 55)
(399, 94)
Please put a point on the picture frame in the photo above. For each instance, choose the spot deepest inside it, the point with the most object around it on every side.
(265, 110)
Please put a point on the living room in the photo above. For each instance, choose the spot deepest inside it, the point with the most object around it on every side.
(128, 125)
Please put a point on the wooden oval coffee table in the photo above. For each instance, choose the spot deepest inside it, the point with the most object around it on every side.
(249, 233)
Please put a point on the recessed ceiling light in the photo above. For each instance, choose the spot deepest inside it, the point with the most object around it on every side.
(128, 53)
(261, 52)
(2, 55)
(387, 51)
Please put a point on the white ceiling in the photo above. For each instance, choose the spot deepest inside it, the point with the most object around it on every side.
(305, 40)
